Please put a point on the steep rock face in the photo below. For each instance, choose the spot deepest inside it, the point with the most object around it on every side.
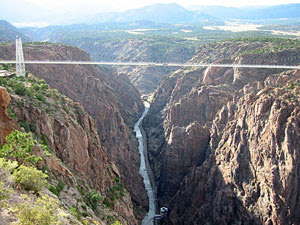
(200, 95)
(70, 160)
(7, 125)
(186, 148)
(71, 135)
(109, 100)
(250, 175)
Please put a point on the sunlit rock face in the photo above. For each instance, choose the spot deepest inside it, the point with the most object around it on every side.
(223, 142)
(6, 123)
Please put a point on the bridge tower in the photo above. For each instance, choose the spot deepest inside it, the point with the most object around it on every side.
(20, 64)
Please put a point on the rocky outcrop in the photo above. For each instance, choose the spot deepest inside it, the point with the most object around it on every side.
(219, 183)
(250, 176)
(112, 101)
(7, 125)
(185, 148)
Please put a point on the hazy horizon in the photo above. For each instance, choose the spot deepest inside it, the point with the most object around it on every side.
(52, 12)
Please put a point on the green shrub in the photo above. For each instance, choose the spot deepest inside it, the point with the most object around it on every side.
(20, 79)
(36, 87)
(56, 190)
(116, 223)
(66, 110)
(25, 126)
(292, 85)
(19, 146)
(4, 194)
(20, 89)
(42, 81)
(115, 192)
(108, 203)
(30, 178)
(75, 212)
(4, 66)
(93, 198)
(40, 97)
(41, 212)
(44, 86)
(8, 165)
(32, 127)
(29, 92)
(60, 186)
(44, 140)
(10, 112)
(53, 190)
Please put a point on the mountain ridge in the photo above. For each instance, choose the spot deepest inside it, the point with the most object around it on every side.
(264, 12)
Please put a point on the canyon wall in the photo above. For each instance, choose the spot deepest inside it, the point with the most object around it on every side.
(111, 100)
(204, 132)
(75, 155)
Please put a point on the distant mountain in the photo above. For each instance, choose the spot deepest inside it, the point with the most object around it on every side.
(54, 33)
(8, 32)
(161, 13)
(289, 11)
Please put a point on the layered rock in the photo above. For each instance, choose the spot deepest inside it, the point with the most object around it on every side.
(112, 101)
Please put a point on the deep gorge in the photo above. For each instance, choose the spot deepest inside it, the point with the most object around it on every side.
(222, 143)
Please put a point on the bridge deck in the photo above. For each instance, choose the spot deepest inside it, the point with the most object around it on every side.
(171, 64)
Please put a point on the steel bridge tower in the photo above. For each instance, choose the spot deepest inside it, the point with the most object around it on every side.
(20, 64)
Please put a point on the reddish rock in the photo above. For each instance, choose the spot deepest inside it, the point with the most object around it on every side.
(7, 125)
(211, 97)
(250, 176)
(112, 101)
(77, 154)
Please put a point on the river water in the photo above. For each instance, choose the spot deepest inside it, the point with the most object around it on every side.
(148, 219)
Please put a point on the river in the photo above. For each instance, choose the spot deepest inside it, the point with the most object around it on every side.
(148, 219)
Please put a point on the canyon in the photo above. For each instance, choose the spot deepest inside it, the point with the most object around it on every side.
(223, 143)
(145, 79)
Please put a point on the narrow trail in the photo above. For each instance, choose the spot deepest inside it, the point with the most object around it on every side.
(148, 219)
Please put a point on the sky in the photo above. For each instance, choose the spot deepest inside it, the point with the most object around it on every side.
(26, 11)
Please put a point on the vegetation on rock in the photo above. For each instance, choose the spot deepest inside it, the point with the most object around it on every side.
(19, 147)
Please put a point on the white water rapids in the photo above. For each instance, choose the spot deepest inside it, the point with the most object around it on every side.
(148, 219)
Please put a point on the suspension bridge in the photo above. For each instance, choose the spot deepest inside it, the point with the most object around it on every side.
(20, 63)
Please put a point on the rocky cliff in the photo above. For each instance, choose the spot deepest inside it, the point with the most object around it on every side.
(111, 100)
(75, 154)
(7, 125)
(249, 177)
(213, 137)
